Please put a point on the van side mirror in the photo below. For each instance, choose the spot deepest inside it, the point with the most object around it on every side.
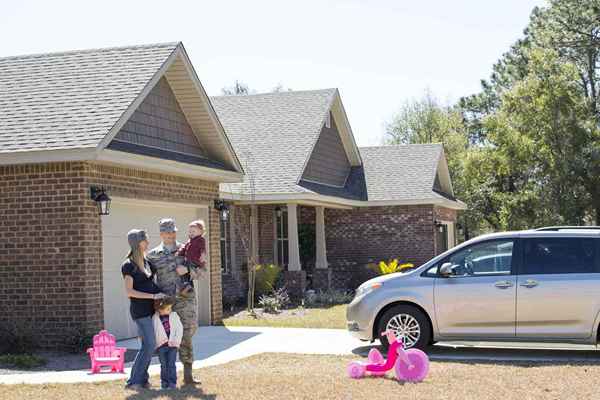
(447, 270)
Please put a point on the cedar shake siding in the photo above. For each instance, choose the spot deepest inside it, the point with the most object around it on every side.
(159, 128)
(51, 241)
(328, 162)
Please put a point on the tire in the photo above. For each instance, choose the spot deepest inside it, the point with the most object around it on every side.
(419, 369)
(409, 315)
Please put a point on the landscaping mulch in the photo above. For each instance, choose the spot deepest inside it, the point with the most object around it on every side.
(288, 376)
(318, 317)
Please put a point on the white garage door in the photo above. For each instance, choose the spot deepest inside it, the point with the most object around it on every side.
(128, 214)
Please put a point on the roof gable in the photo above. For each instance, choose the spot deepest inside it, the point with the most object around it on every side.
(80, 100)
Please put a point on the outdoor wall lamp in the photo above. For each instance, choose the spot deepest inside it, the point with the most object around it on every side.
(223, 209)
(98, 194)
(439, 226)
(278, 211)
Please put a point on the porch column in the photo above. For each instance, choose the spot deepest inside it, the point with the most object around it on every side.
(254, 233)
(293, 245)
(321, 256)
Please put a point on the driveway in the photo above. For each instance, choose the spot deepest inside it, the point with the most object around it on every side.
(217, 345)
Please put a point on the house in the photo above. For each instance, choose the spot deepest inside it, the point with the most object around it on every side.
(133, 123)
(317, 204)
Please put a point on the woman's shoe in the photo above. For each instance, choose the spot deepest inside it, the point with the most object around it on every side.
(134, 386)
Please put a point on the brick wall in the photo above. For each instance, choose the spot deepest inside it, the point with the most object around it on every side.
(371, 234)
(51, 240)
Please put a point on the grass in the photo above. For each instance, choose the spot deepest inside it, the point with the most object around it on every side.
(323, 317)
(289, 376)
(22, 361)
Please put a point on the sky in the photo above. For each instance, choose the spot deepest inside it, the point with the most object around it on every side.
(378, 53)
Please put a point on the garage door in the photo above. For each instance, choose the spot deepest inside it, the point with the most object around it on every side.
(128, 214)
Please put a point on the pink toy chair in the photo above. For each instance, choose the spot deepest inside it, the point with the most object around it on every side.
(105, 353)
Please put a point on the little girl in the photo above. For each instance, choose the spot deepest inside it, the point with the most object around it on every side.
(169, 331)
(192, 255)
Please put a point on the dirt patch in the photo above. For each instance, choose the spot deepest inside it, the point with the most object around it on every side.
(318, 317)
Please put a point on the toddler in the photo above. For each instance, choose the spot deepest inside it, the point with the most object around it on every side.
(192, 256)
(169, 331)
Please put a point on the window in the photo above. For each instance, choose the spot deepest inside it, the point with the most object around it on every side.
(488, 258)
(281, 239)
(559, 256)
(225, 247)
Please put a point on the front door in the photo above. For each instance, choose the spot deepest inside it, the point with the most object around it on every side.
(558, 291)
(478, 300)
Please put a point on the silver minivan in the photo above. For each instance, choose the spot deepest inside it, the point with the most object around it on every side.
(541, 285)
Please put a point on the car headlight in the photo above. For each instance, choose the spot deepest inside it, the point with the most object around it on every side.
(368, 288)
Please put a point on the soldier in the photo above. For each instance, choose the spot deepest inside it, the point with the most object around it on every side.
(167, 275)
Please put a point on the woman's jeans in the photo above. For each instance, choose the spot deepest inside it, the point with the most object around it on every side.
(139, 372)
(168, 370)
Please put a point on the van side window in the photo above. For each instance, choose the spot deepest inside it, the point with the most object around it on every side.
(559, 256)
(488, 258)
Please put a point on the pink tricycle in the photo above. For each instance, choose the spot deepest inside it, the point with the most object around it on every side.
(410, 365)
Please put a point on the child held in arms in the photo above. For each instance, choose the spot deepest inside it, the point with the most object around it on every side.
(192, 256)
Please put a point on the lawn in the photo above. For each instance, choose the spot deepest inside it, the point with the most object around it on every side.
(323, 317)
(285, 376)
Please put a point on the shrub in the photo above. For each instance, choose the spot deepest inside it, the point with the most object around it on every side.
(329, 297)
(390, 267)
(18, 336)
(77, 340)
(266, 276)
(24, 361)
(275, 302)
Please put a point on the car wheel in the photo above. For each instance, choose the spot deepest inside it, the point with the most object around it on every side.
(409, 324)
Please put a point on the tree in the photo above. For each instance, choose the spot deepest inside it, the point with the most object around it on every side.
(238, 88)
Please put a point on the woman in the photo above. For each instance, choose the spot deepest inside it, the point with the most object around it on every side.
(138, 274)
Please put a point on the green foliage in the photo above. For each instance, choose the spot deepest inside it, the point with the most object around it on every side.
(266, 276)
(77, 340)
(23, 361)
(273, 303)
(390, 267)
(18, 336)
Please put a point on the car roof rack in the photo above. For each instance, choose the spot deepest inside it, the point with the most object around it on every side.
(569, 228)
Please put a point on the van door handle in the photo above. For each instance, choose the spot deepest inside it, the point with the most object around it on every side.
(503, 284)
(529, 283)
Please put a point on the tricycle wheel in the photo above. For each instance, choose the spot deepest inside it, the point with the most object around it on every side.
(418, 369)
(356, 370)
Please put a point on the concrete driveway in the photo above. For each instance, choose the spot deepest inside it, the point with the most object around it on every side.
(218, 345)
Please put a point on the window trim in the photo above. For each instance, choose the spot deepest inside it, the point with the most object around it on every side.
(514, 268)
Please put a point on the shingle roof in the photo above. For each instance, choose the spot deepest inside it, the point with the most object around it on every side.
(401, 172)
(72, 99)
(273, 135)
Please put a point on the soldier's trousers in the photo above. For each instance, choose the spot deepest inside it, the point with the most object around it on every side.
(187, 311)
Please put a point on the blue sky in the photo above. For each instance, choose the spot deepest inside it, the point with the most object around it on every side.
(378, 53)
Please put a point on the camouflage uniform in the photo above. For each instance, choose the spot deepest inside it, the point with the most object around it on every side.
(166, 278)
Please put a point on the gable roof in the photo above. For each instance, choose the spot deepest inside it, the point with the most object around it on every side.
(69, 105)
(405, 172)
(273, 134)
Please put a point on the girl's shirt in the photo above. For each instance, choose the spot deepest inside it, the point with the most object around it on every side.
(165, 322)
(142, 282)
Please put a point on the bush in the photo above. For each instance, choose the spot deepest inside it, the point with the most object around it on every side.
(328, 298)
(18, 336)
(24, 361)
(266, 276)
(275, 302)
(77, 340)
(390, 267)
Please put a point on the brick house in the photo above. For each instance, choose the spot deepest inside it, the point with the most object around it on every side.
(315, 203)
(135, 121)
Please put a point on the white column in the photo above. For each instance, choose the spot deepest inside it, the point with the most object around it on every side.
(293, 245)
(254, 233)
(321, 261)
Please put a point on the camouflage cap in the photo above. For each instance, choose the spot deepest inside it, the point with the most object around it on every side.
(167, 225)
